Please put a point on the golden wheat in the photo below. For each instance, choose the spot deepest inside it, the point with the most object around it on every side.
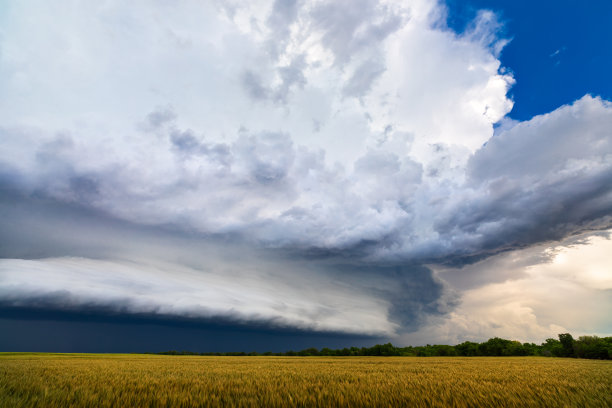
(94, 380)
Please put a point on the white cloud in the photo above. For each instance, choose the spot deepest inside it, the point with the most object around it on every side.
(106, 66)
(341, 89)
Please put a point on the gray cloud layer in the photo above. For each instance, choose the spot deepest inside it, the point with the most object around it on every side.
(66, 258)
(541, 180)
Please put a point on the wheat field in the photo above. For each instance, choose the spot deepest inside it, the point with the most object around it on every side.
(98, 380)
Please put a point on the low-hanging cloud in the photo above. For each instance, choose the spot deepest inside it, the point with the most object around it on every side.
(170, 291)
(70, 259)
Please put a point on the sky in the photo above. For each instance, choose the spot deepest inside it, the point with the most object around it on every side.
(275, 175)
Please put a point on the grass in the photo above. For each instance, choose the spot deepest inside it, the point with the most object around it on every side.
(99, 380)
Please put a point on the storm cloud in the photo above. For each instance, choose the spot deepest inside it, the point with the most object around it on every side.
(196, 188)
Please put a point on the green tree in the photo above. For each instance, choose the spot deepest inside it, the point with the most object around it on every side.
(552, 347)
(593, 347)
(467, 348)
(309, 352)
(515, 348)
(495, 347)
(567, 345)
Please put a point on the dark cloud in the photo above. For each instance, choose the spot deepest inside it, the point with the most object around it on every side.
(74, 248)
(539, 181)
(52, 331)
(413, 292)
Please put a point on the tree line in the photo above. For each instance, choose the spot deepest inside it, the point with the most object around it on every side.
(566, 346)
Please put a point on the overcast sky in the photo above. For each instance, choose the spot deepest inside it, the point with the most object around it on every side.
(227, 175)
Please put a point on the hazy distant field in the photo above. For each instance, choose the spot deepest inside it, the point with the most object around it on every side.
(53, 380)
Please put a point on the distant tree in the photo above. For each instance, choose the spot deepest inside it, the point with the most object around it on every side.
(515, 348)
(552, 347)
(567, 345)
(383, 350)
(495, 347)
(593, 347)
(467, 348)
(444, 350)
(532, 349)
(423, 351)
(309, 352)
(407, 351)
(355, 351)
